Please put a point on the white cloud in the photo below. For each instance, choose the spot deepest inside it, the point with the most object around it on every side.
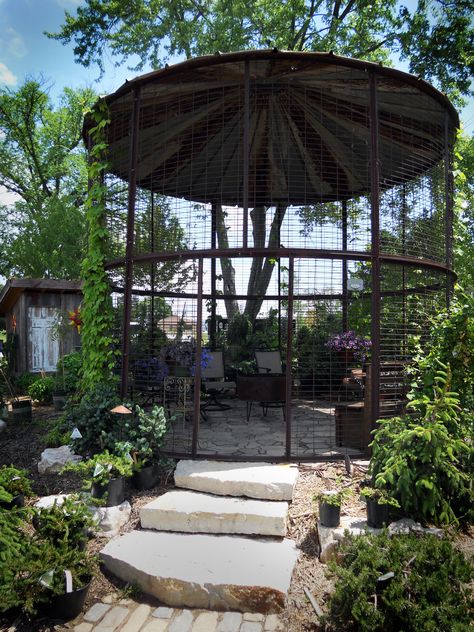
(68, 4)
(7, 198)
(6, 76)
(14, 43)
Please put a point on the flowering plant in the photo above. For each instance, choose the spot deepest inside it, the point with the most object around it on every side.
(350, 341)
(183, 354)
(152, 369)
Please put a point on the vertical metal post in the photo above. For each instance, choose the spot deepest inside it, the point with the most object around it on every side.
(404, 272)
(152, 273)
(345, 294)
(448, 215)
(197, 372)
(246, 152)
(375, 249)
(289, 354)
(132, 188)
(212, 324)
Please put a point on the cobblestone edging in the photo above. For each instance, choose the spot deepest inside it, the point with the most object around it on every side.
(126, 615)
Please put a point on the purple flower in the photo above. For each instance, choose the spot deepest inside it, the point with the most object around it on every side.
(350, 341)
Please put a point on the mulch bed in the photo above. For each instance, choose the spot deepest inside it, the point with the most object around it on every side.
(22, 444)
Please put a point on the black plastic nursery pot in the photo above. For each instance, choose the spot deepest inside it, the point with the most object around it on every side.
(66, 606)
(329, 515)
(146, 478)
(377, 515)
(16, 501)
(22, 410)
(112, 492)
(59, 401)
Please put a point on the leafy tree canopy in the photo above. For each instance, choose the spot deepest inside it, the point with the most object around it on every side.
(435, 36)
(42, 162)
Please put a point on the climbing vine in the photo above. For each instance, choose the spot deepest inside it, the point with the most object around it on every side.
(99, 355)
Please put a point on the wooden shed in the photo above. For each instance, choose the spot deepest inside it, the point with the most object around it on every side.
(31, 308)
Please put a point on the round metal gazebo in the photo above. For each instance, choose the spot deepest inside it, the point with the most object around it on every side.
(266, 201)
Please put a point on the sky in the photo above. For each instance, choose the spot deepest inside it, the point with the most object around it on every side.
(25, 52)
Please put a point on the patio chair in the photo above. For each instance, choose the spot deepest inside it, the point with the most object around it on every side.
(214, 383)
(268, 362)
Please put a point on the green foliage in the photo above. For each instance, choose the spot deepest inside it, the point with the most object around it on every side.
(381, 496)
(13, 481)
(101, 468)
(436, 37)
(13, 545)
(66, 523)
(67, 378)
(424, 461)
(42, 162)
(144, 434)
(24, 381)
(428, 592)
(99, 356)
(333, 498)
(42, 390)
(98, 426)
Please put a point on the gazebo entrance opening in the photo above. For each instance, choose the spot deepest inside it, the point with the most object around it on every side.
(284, 209)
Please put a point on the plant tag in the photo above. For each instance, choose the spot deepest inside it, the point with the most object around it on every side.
(75, 434)
(128, 456)
(68, 576)
(98, 470)
(386, 577)
(46, 579)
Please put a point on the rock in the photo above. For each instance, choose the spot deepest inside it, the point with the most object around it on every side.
(3, 425)
(48, 501)
(256, 480)
(212, 572)
(202, 513)
(54, 459)
(111, 519)
(407, 525)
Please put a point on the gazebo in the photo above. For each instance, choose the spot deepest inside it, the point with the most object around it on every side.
(274, 200)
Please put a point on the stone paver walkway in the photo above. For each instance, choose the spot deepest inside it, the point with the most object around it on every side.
(126, 615)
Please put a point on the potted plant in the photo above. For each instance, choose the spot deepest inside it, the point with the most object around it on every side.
(145, 432)
(330, 502)
(379, 503)
(14, 486)
(349, 346)
(65, 522)
(104, 475)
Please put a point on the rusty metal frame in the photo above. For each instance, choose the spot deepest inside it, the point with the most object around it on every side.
(132, 189)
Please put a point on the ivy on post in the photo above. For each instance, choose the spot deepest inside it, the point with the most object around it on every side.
(99, 355)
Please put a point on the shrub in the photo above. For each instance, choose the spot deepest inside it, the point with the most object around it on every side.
(13, 482)
(24, 381)
(42, 390)
(99, 427)
(428, 590)
(424, 461)
(67, 378)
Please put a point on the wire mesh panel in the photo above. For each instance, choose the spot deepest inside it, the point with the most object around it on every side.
(294, 204)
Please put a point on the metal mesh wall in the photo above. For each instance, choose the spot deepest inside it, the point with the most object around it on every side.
(270, 172)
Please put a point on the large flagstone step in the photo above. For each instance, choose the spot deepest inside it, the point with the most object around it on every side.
(214, 572)
(195, 512)
(255, 480)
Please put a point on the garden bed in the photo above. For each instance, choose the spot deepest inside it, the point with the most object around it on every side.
(22, 444)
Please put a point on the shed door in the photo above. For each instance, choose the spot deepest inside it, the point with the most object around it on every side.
(43, 351)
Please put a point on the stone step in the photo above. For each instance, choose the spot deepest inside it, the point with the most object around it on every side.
(256, 480)
(194, 512)
(214, 572)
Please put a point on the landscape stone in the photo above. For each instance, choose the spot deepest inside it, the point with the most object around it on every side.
(256, 480)
(202, 513)
(273, 623)
(253, 616)
(82, 627)
(205, 622)
(137, 619)
(251, 626)
(230, 622)
(96, 612)
(157, 625)
(54, 459)
(3, 425)
(182, 623)
(45, 502)
(162, 613)
(111, 519)
(112, 620)
(205, 571)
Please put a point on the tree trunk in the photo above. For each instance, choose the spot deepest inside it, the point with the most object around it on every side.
(262, 268)
(228, 272)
